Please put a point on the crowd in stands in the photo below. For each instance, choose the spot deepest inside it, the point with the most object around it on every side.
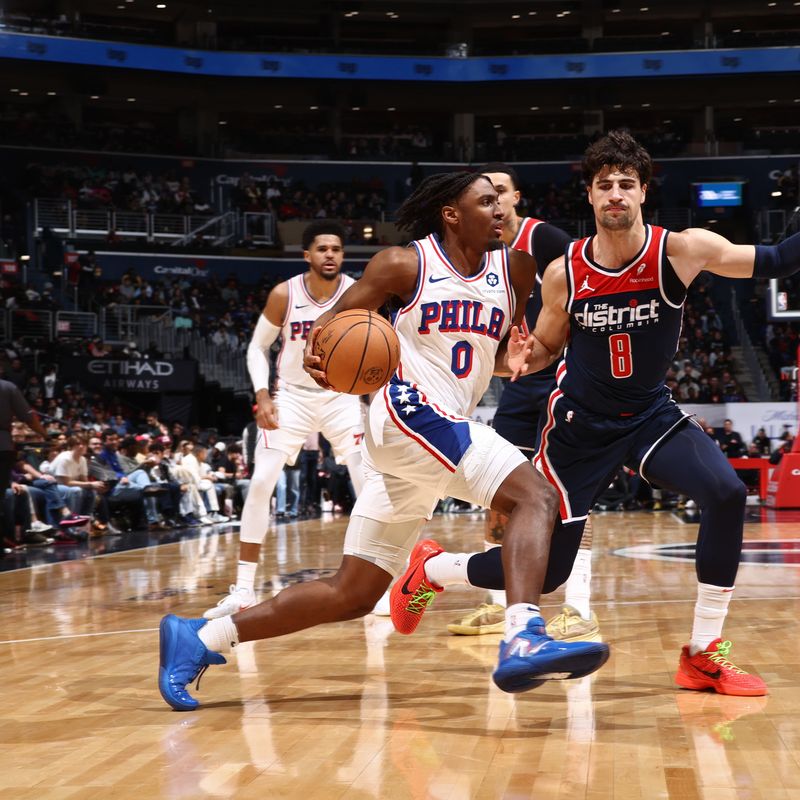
(562, 139)
(98, 187)
(782, 341)
(101, 473)
(49, 127)
(703, 369)
(169, 192)
(294, 200)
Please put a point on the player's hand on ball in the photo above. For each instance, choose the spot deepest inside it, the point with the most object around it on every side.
(518, 352)
(312, 363)
(267, 413)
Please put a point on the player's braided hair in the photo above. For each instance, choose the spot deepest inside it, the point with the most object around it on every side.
(421, 213)
(617, 149)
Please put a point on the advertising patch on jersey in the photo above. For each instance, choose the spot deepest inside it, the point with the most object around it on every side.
(492, 279)
(604, 316)
(770, 552)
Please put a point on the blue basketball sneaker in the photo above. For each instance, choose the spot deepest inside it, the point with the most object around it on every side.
(182, 658)
(532, 657)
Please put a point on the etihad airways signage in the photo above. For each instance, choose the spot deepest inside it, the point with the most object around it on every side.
(130, 374)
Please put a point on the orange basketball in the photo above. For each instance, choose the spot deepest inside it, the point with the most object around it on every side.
(359, 351)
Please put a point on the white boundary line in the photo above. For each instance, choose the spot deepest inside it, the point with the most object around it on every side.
(76, 636)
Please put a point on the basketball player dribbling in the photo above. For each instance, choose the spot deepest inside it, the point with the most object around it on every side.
(463, 293)
(619, 298)
(521, 405)
(300, 406)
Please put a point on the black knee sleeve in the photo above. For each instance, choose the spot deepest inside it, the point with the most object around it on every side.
(486, 569)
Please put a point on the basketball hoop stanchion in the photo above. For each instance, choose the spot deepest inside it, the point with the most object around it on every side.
(783, 488)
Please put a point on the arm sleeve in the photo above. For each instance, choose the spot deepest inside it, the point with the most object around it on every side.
(549, 243)
(264, 335)
(778, 260)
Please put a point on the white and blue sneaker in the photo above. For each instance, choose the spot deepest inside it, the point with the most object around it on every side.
(532, 657)
(182, 658)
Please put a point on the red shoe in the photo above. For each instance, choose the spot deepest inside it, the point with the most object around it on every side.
(74, 521)
(712, 670)
(411, 594)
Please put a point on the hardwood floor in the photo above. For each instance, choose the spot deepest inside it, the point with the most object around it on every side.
(353, 710)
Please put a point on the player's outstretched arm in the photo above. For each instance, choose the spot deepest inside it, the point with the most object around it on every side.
(390, 273)
(695, 249)
(266, 332)
(547, 341)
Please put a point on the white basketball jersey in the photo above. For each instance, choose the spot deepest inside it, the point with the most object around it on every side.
(450, 331)
(301, 313)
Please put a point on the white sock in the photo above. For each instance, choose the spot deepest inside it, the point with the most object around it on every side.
(447, 569)
(578, 589)
(219, 635)
(246, 575)
(498, 596)
(709, 615)
(517, 617)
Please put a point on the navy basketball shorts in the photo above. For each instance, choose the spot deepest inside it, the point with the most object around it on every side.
(581, 452)
(521, 408)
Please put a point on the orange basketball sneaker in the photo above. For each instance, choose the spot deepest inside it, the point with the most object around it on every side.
(712, 670)
(411, 593)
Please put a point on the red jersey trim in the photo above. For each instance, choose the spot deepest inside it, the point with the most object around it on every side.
(524, 238)
(615, 273)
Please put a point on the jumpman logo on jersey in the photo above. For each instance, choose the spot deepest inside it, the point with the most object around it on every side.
(585, 286)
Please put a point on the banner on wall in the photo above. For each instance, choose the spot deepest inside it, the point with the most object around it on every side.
(168, 267)
(130, 374)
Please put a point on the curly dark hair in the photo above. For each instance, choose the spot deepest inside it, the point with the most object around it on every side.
(421, 212)
(617, 149)
(322, 227)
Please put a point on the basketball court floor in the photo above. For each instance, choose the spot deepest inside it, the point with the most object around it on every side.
(356, 711)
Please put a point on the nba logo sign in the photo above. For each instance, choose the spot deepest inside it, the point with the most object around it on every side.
(492, 279)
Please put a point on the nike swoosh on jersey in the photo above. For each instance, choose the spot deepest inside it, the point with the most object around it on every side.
(305, 306)
(431, 279)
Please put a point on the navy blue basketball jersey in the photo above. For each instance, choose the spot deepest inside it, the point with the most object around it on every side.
(624, 327)
(524, 240)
